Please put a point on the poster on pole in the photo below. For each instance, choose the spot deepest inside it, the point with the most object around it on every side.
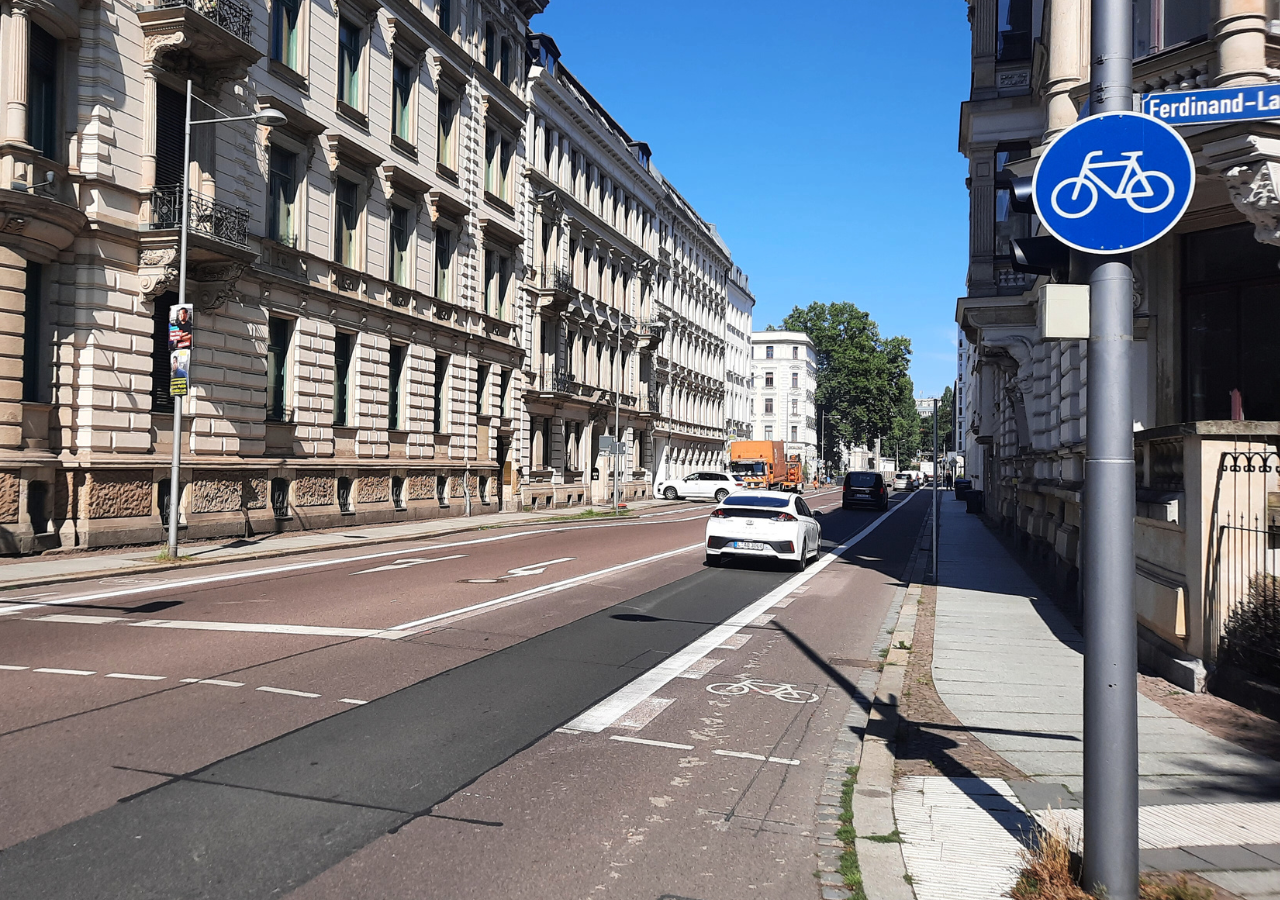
(181, 320)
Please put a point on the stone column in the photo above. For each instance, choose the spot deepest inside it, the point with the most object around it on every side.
(16, 44)
(1068, 63)
(1240, 32)
(148, 171)
(13, 283)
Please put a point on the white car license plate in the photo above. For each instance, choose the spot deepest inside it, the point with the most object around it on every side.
(748, 545)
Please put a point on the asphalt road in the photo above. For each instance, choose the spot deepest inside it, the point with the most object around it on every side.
(246, 730)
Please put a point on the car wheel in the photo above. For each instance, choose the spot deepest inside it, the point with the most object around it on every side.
(670, 494)
(797, 565)
(721, 494)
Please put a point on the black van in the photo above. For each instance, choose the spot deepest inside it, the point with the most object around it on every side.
(864, 487)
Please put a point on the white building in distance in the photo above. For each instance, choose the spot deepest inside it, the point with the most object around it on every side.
(737, 358)
(784, 372)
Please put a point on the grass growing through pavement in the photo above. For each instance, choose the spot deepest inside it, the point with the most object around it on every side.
(1048, 873)
(849, 869)
(891, 838)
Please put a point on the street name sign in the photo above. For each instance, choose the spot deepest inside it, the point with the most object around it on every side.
(1214, 105)
(1113, 182)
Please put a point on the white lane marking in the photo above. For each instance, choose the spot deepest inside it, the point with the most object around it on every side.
(80, 620)
(266, 628)
(700, 668)
(552, 588)
(276, 690)
(739, 754)
(642, 713)
(355, 702)
(632, 740)
(217, 681)
(134, 677)
(65, 671)
(536, 568)
(299, 567)
(761, 621)
(408, 563)
(737, 642)
(606, 712)
(13, 668)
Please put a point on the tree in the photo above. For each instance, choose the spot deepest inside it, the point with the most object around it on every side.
(862, 377)
(903, 440)
(946, 427)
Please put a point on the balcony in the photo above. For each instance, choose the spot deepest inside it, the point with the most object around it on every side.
(38, 209)
(211, 38)
(555, 288)
(205, 216)
(650, 333)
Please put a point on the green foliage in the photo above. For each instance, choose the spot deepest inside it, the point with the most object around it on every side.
(862, 377)
(946, 427)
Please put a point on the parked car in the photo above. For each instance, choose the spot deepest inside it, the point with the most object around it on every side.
(864, 487)
(698, 486)
(764, 524)
(904, 482)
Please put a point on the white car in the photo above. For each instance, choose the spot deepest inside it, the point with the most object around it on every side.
(699, 486)
(766, 524)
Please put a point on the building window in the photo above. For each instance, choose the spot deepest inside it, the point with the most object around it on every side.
(490, 47)
(1160, 24)
(283, 189)
(401, 230)
(795, 379)
(344, 495)
(32, 377)
(768, 432)
(444, 15)
(768, 351)
(441, 388)
(504, 62)
(397, 491)
(795, 406)
(1013, 30)
(284, 32)
(482, 387)
(497, 287)
(768, 379)
(278, 333)
(795, 352)
(395, 378)
(341, 377)
(161, 399)
(768, 406)
(504, 388)
(497, 170)
(446, 113)
(444, 262)
(346, 221)
(42, 91)
(402, 100)
(794, 433)
(350, 44)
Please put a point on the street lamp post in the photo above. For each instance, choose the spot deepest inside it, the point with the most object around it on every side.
(262, 117)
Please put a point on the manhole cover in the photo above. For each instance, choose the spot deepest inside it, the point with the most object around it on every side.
(482, 581)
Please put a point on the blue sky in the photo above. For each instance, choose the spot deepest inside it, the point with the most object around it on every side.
(819, 137)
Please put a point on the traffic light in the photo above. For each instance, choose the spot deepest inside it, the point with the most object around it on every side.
(1044, 255)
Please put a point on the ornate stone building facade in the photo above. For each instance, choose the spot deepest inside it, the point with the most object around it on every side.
(738, 386)
(626, 292)
(1206, 392)
(354, 272)
(784, 372)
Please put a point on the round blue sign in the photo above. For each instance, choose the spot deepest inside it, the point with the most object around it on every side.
(1114, 182)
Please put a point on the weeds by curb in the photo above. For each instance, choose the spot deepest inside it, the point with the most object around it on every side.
(849, 868)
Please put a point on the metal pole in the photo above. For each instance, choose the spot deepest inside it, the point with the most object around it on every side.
(1110, 626)
(176, 465)
(935, 490)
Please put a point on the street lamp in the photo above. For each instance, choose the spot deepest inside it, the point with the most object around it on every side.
(269, 117)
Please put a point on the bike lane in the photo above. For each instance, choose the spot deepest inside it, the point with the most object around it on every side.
(706, 789)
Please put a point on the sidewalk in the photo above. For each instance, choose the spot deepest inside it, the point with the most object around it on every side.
(1007, 665)
(54, 568)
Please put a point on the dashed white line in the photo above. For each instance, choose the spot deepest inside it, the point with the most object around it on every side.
(276, 690)
(134, 677)
(216, 681)
(409, 563)
(13, 668)
(266, 628)
(739, 754)
(355, 702)
(65, 671)
(81, 620)
(645, 741)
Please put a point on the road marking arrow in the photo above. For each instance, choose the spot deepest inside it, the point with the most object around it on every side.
(408, 563)
(536, 568)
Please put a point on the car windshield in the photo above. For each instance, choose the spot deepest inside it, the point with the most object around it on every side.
(744, 468)
(860, 479)
(758, 501)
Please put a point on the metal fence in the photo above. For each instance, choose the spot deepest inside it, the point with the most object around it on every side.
(205, 215)
(235, 17)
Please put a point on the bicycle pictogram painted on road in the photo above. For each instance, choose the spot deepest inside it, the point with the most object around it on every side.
(784, 692)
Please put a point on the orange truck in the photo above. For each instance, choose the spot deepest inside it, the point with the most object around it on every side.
(764, 465)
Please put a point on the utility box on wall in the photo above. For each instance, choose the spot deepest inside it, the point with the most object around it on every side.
(1062, 313)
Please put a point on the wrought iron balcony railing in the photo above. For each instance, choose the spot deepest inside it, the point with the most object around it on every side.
(236, 17)
(205, 215)
(556, 279)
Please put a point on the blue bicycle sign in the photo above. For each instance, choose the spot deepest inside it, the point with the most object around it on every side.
(1114, 183)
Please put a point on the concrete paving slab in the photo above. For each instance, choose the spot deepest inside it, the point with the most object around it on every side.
(1171, 860)
(1233, 858)
(1249, 885)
